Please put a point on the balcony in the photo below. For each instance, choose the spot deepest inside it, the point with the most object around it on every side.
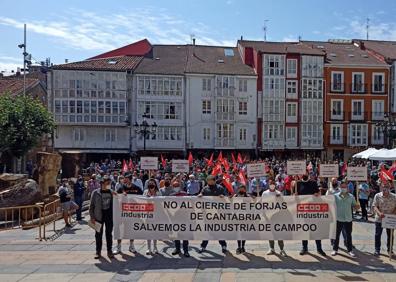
(378, 88)
(357, 116)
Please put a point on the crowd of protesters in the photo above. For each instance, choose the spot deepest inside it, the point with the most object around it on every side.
(228, 178)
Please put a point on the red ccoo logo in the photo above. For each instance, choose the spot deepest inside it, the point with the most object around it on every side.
(312, 207)
(136, 207)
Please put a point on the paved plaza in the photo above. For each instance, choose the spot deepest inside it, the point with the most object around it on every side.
(69, 256)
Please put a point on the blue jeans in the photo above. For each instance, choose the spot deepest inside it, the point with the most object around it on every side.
(318, 245)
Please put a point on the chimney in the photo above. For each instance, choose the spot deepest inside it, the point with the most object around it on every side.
(194, 41)
(66, 61)
(241, 37)
(18, 72)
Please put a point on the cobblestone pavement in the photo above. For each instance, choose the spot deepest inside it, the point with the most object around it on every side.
(69, 256)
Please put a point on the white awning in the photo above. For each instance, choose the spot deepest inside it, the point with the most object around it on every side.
(384, 155)
(365, 154)
(93, 151)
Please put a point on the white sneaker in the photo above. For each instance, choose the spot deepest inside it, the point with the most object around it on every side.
(132, 248)
(283, 253)
(352, 254)
(117, 249)
(148, 252)
(155, 250)
(334, 253)
(271, 252)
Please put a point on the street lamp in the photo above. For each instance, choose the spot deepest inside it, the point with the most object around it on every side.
(387, 126)
(145, 129)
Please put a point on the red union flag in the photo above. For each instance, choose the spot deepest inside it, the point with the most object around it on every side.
(137, 207)
(312, 207)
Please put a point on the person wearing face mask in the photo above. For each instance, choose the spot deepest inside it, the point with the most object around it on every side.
(384, 203)
(101, 210)
(152, 191)
(137, 181)
(168, 189)
(334, 187)
(79, 190)
(273, 192)
(193, 186)
(309, 187)
(213, 189)
(241, 192)
(345, 203)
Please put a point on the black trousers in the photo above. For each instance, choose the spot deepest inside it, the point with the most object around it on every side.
(79, 201)
(378, 234)
(221, 242)
(363, 205)
(346, 228)
(318, 245)
(241, 243)
(107, 219)
(185, 245)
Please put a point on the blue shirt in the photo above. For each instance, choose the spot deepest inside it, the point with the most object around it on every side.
(344, 204)
(193, 187)
(363, 191)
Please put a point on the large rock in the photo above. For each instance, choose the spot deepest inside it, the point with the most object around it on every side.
(8, 179)
(48, 168)
(21, 194)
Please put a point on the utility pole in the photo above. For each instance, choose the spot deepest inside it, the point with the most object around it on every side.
(265, 29)
(367, 28)
(24, 60)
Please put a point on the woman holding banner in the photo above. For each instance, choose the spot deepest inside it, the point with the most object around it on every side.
(152, 191)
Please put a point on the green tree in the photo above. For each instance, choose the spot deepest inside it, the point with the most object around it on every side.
(23, 121)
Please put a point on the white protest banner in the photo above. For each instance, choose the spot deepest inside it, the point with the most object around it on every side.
(389, 221)
(180, 166)
(150, 163)
(357, 173)
(213, 218)
(328, 170)
(255, 170)
(296, 167)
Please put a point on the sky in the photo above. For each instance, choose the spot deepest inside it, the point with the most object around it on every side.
(76, 29)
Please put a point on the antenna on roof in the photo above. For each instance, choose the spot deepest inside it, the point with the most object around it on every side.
(367, 28)
(192, 38)
(299, 38)
(265, 29)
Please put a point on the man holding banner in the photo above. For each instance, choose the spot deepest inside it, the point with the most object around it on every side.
(213, 189)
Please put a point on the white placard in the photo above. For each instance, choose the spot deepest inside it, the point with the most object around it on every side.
(213, 218)
(150, 163)
(357, 173)
(328, 170)
(255, 170)
(296, 167)
(180, 166)
(389, 221)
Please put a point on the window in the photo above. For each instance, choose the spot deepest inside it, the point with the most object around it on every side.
(357, 82)
(358, 134)
(206, 134)
(312, 88)
(242, 85)
(291, 136)
(273, 135)
(312, 111)
(312, 66)
(274, 87)
(110, 134)
(225, 134)
(274, 65)
(337, 81)
(206, 107)
(242, 108)
(312, 135)
(291, 112)
(242, 135)
(274, 110)
(337, 109)
(78, 134)
(292, 68)
(377, 109)
(206, 84)
(162, 86)
(377, 135)
(357, 109)
(291, 89)
(378, 83)
(336, 134)
(57, 106)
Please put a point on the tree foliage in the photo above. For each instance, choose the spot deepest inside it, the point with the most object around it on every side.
(23, 121)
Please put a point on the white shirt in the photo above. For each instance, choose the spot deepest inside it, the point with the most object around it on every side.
(268, 192)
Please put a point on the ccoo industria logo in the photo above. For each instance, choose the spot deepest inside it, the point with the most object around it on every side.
(312, 210)
(137, 210)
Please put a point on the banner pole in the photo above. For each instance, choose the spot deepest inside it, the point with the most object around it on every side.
(391, 245)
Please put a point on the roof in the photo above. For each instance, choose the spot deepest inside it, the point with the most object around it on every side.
(281, 47)
(139, 48)
(164, 59)
(15, 85)
(118, 63)
(385, 48)
(345, 54)
(213, 60)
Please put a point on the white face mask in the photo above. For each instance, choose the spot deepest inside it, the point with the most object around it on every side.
(272, 187)
(344, 190)
(176, 189)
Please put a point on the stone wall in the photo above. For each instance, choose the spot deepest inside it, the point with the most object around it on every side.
(48, 168)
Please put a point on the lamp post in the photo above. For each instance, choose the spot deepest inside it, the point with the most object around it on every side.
(145, 129)
(387, 126)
